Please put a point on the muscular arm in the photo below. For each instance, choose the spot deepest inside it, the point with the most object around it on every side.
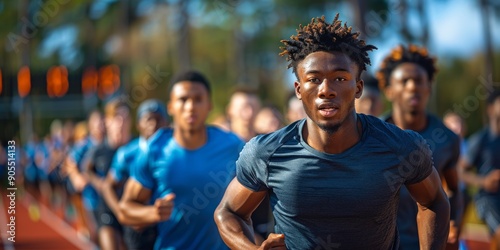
(232, 217)
(77, 179)
(433, 212)
(132, 206)
(109, 187)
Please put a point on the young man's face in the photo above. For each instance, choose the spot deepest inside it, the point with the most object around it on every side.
(327, 87)
(96, 126)
(243, 108)
(149, 123)
(118, 126)
(189, 105)
(409, 88)
(370, 103)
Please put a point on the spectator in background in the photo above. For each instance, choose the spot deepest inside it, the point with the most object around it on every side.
(483, 155)
(151, 116)
(80, 132)
(370, 102)
(295, 110)
(241, 111)
(80, 135)
(77, 182)
(456, 123)
(58, 147)
(406, 76)
(268, 120)
(222, 122)
(117, 121)
(32, 172)
(190, 164)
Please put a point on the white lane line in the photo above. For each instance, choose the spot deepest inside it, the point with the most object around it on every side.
(58, 225)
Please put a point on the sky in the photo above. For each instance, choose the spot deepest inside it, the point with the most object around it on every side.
(455, 30)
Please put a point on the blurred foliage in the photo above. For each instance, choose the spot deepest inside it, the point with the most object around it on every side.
(234, 42)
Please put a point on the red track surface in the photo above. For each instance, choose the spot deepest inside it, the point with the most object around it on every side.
(46, 231)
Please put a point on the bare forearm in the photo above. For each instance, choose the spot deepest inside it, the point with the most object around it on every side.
(78, 181)
(433, 224)
(236, 232)
(95, 181)
(136, 214)
(472, 179)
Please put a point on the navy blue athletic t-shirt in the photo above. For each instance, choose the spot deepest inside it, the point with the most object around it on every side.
(336, 201)
(445, 147)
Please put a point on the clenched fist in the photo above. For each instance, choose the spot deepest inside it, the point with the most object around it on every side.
(163, 206)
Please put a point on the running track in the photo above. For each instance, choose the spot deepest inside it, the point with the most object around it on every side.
(42, 230)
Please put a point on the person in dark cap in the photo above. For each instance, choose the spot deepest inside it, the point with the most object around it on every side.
(151, 116)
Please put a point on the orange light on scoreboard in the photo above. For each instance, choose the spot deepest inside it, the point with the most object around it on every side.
(109, 80)
(90, 79)
(24, 81)
(57, 81)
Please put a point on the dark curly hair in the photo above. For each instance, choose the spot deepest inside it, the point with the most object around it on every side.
(319, 35)
(191, 76)
(402, 54)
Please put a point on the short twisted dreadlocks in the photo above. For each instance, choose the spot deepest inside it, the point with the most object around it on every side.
(401, 54)
(319, 35)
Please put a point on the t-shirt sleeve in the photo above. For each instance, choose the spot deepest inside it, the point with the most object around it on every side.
(418, 160)
(141, 170)
(251, 166)
(76, 153)
(117, 166)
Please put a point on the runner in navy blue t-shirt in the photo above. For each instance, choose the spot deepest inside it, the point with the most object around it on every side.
(333, 178)
(406, 77)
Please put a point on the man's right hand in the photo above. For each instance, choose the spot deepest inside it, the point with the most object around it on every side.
(492, 181)
(273, 241)
(163, 206)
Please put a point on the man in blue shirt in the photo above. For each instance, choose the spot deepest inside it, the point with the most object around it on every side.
(334, 177)
(484, 156)
(406, 76)
(192, 163)
(151, 116)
